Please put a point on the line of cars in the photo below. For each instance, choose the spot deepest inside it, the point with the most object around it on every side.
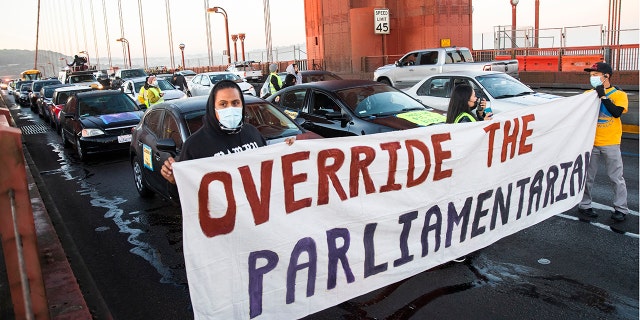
(109, 120)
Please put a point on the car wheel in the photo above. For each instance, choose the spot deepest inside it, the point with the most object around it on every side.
(385, 81)
(81, 154)
(65, 142)
(138, 178)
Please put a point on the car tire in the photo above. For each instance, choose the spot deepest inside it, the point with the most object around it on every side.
(138, 178)
(65, 142)
(80, 151)
(385, 81)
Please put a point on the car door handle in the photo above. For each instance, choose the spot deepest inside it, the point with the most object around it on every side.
(157, 156)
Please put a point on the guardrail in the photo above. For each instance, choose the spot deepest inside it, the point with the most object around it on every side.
(17, 229)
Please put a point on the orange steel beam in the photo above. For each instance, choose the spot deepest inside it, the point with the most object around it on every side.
(17, 230)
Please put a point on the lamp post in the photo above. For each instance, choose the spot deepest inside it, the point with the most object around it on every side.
(242, 36)
(128, 51)
(514, 3)
(181, 46)
(226, 27)
(234, 37)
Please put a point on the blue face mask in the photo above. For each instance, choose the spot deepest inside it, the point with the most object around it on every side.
(230, 117)
(595, 81)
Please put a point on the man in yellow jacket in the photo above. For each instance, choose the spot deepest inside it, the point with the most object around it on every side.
(150, 93)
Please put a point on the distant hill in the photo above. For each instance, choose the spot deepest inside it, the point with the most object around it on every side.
(14, 61)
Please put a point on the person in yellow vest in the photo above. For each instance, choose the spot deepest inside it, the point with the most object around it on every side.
(613, 103)
(462, 104)
(150, 94)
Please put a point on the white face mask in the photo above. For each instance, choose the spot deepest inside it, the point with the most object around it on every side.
(230, 117)
(595, 81)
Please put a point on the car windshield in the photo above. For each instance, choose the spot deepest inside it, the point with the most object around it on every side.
(502, 86)
(215, 78)
(271, 123)
(378, 100)
(38, 85)
(105, 104)
(132, 73)
(82, 78)
(162, 84)
(319, 77)
(25, 87)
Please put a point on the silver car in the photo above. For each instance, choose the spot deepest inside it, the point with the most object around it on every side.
(503, 92)
(202, 83)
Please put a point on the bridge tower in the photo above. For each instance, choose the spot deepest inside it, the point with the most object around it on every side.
(340, 32)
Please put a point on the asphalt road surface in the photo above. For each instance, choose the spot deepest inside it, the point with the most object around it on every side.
(127, 252)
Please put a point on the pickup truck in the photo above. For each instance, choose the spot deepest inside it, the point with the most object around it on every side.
(416, 65)
(249, 70)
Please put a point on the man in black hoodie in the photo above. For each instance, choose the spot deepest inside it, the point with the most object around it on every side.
(223, 130)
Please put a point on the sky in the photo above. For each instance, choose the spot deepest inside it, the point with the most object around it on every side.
(63, 34)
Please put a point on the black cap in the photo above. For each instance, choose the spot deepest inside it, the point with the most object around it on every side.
(600, 67)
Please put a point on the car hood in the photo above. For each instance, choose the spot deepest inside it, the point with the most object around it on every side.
(173, 94)
(114, 120)
(528, 100)
(386, 67)
(408, 120)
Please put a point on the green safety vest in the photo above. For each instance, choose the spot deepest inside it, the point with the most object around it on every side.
(464, 115)
(271, 87)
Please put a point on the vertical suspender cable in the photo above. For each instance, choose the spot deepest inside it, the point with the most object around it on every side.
(124, 52)
(170, 34)
(84, 29)
(35, 62)
(144, 41)
(95, 39)
(106, 31)
(75, 25)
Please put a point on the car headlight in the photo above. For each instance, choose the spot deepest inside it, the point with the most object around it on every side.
(91, 132)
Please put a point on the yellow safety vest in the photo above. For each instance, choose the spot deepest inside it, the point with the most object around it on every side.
(464, 115)
(272, 88)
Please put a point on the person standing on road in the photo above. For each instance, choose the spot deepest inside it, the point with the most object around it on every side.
(289, 80)
(273, 82)
(223, 129)
(613, 103)
(463, 101)
(179, 81)
(150, 93)
(293, 69)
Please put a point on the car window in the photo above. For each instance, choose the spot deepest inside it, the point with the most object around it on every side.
(170, 130)
(269, 121)
(105, 104)
(429, 57)
(323, 104)
(205, 80)
(378, 100)
(501, 85)
(194, 121)
(165, 85)
(436, 87)
(196, 80)
(152, 121)
(293, 99)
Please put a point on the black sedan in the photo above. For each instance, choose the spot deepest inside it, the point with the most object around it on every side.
(353, 107)
(98, 121)
(166, 126)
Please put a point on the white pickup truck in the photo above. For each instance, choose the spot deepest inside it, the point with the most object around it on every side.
(416, 65)
(249, 70)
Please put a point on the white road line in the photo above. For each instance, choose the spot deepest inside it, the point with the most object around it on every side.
(600, 225)
(600, 206)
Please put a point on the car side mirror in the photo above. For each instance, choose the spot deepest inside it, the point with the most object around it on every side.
(166, 145)
(337, 116)
(397, 63)
(299, 120)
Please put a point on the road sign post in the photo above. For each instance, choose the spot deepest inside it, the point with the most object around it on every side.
(381, 21)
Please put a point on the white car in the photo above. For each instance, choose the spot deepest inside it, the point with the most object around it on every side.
(132, 87)
(503, 92)
(202, 83)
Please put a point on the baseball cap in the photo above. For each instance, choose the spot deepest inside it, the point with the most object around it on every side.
(600, 67)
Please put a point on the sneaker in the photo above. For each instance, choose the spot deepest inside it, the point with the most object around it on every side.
(461, 259)
(588, 212)
(618, 216)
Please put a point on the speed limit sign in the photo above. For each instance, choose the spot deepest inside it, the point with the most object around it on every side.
(381, 21)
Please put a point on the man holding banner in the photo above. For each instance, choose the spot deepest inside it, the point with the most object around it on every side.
(613, 103)
(282, 232)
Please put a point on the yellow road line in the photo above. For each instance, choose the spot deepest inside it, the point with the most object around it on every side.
(630, 128)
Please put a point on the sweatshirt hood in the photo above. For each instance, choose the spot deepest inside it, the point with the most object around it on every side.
(210, 119)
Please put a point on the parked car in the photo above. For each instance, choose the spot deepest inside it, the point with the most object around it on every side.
(34, 94)
(338, 108)
(23, 94)
(313, 75)
(132, 88)
(166, 126)
(249, 70)
(59, 99)
(502, 91)
(125, 74)
(44, 100)
(202, 83)
(188, 74)
(416, 65)
(98, 121)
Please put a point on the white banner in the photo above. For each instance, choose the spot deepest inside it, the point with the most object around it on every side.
(281, 232)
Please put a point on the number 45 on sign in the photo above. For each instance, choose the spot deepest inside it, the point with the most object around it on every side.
(381, 21)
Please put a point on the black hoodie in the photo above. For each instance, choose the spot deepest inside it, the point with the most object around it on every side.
(211, 140)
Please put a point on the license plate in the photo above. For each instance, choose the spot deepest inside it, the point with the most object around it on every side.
(124, 138)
